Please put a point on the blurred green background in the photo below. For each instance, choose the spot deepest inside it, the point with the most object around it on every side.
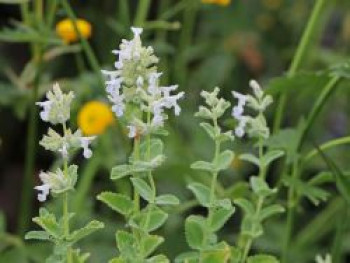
(200, 46)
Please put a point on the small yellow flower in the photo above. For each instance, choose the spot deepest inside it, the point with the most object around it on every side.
(94, 117)
(218, 2)
(65, 30)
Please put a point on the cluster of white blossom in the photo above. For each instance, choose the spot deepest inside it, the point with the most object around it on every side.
(56, 110)
(135, 81)
(255, 126)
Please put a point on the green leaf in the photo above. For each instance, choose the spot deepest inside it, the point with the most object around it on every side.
(314, 193)
(121, 171)
(341, 181)
(150, 243)
(143, 189)
(250, 158)
(270, 156)
(210, 129)
(78, 257)
(118, 202)
(246, 206)
(194, 231)
(158, 259)
(187, 257)
(149, 219)
(321, 178)
(117, 260)
(167, 200)
(39, 235)
(150, 151)
(251, 227)
(201, 192)
(224, 160)
(203, 166)
(125, 243)
(235, 255)
(260, 187)
(220, 217)
(47, 221)
(270, 211)
(262, 259)
(91, 227)
(220, 253)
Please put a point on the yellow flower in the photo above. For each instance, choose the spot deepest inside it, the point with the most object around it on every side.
(218, 2)
(65, 29)
(94, 117)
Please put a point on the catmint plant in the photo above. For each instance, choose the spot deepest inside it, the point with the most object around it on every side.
(200, 230)
(255, 209)
(140, 102)
(61, 182)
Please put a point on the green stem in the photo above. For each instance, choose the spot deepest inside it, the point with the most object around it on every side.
(66, 224)
(291, 204)
(124, 12)
(340, 234)
(318, 105)
(326, 146)
(52, 9)
(249, 242)
(141, 13)
(174, 10)
(84, 43)
(300, 56)
(189, 18)
(137, 157)
(259, 204)
(212, 197)
(28, 182)
(66, 202)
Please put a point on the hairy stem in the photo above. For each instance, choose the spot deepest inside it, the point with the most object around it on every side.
(66, 202)
(259, 204)
(137, 157)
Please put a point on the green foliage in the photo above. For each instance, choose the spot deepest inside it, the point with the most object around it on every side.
(201, 192)
(118, 202)
(262, 259)
(143, 189)
(195, 231)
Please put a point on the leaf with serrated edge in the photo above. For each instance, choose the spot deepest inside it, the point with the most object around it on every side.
(118, 202)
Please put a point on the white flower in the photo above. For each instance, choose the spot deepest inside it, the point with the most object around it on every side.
(85, 142)
(56, 109)
(137, 31)
(45, 191)
(45, 113)
(132, 131)
(256, 88)
(240, 129)
(238, 110)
